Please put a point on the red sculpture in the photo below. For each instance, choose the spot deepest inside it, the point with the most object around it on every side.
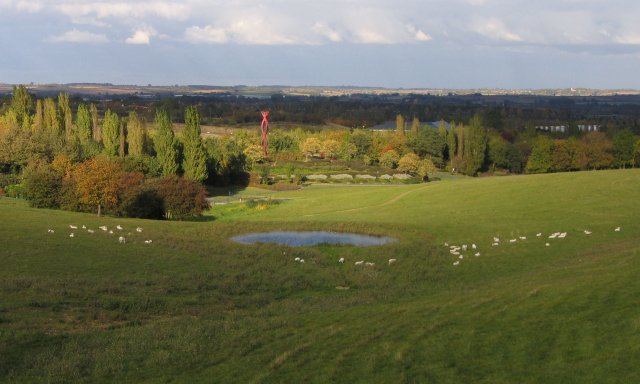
(264, 127)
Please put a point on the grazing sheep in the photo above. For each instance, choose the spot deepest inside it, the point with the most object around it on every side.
(586, 232)
(370, 264)
(50, 231)
(562, 235)
(148, 241)
(118, 227)
(341, 260)
(302, 260)
(464, 247)
(297, 259)
(523, 237)
(103, 227)
(391, 261)
(122, 240)
(110, 232)
(446, 244)
(456, 263)
(554, 235)
(477, 254)
(495, 244)
(460, 257)
(513, 240)
(455, 253)
(473, 246)
(138, 229)
(359, 262)
(538, 234)
(617, 229)
(496, 240)
(547, 245)
(71, 235)
(84, 227)
(73, 226)
(90, 230)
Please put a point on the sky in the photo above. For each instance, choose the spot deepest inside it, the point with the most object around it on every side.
(374, 43)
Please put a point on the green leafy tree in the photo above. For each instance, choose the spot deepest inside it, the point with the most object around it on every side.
(21, 103)
(122, 135)
(363, 142)
(400, 124)
(427, 142)
(38, 118)
(51, 117)
(623, 148)
(598, 150)
(452, 143)
(111, 133)
(66, 115)
(409, 163)
(83, 125)
(42, 184)
(95, 123)
(389, 159)
(426, 168)
(165, 144)
(475, 146)
(194, 164)
(415, 124)
(136, 135)
(540, 159)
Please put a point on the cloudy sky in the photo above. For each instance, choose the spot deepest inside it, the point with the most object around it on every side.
(388, 43)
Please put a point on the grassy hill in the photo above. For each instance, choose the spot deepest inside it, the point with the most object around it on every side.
(194, 307)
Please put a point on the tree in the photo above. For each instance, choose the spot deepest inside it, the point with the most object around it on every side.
(122, 135)
(38, 119)
(409, 163)
(136, 135)
(97, 181)
(363, 142)
(452, 143)
(475, 146)
(561, 156)
(182, 197)
(311, 147)
(66, 115)
(400, 124)
(194, 164)
(95, 123)
(426, 168)
(165, 144)
(330, 149)
(254, 154)
(427, 142)
(636, 153)
(415, 124)
(21, 103)
(598, 148)
(389, 159)
(51, 117)
(42, 184)
(83, 125)
(540, 159)
(111, 133)
(623, 148)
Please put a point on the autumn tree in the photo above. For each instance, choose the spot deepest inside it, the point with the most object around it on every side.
(415, 124)
(111, 133)
(165, 144)
(136, 135)
(389, 159)
(182, 197)
(95, 123)
(194, 164)
(426, 168)
(38, 118)
(623, 148)
(475, 146)
(330, 149)
(65, 115)
(400, 124)
(311, 147)
(409, 163)
(51, 117)
(599, 150)
(97, 181)
(21, 104)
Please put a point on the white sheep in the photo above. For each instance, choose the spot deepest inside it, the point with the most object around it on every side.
(297, 259)
(617, 229)
(359, 262)
(148, 241)
(456, 263)
(473, 246)
(496, 240)
(464, 247)
(122, 240)
(341, 260)
(50, 231)
(523, 237)
(495, 244)
(302, 260)
(103, 227)
(562, 235)
(587, 232)
(547, 245)
(118, 227)
(111, 232)
(84, 227)
(71, 235)
(477, 254)
(513, 240)
(138, 229)
(391, 261)
(370, 264)
(460, 257)
(73, 226)
(446, 244)
(90, 230)
(538, 234)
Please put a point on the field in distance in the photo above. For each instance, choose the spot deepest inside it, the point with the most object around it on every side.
(192, 306)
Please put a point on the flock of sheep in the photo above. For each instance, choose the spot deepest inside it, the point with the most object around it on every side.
(104, 228)
(458, 250)
(341, 261)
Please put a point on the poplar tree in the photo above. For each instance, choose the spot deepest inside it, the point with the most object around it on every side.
(111, 133)
(65, 115)
(136, 135)
(95, 127)
(122, 148)
(51, 117)
(38, 118)
(165, 144)
(452, 143)
(475, 146)
(21, 103)
(83, 125)
(195, 159)
(400, 124)
(415, 125)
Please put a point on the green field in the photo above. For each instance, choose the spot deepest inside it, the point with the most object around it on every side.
(193, 306)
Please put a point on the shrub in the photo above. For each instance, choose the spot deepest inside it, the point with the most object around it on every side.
(42, 185)
(182, 197)
(409, 163)
(389, 159)
(144, 203)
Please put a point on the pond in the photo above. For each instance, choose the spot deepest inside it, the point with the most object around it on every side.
(302, 239)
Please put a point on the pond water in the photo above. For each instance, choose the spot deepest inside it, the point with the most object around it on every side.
(301, 239)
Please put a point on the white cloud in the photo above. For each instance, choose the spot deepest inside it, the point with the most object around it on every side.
(141, 36)
(418, 34)
(166, 10)
(77, 36)
(325, 31)
(495, 29)
(628, 39)
(28, 6)
(208, 34)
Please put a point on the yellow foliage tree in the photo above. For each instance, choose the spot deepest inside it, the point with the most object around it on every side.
(97, 182)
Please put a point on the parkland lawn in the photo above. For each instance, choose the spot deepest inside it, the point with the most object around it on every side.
(193, 306)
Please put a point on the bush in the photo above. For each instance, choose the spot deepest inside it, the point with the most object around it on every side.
(144, 203)
(42, 185)
(182, 197)
(389, 159)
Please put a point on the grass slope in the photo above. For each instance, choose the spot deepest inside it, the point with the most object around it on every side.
(194, 307)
